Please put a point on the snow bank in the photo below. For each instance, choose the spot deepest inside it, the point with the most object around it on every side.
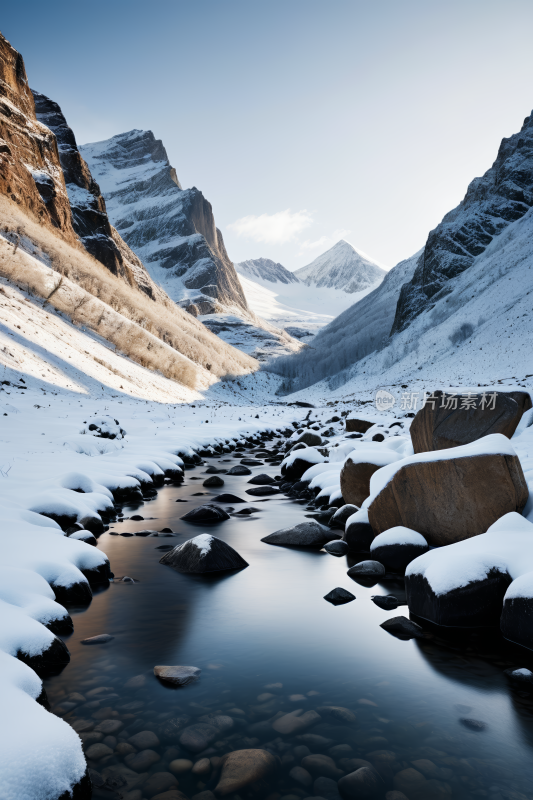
(309, 454)
(397, 535)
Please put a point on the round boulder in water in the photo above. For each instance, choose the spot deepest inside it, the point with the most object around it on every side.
(208, 513)
(262, 480)
(367, 569)
(247, 768)
(177, 676)
(385, 601)
(226, 497)
(214, 480)
(204, 553)
(306, 534)
(240, 469)
(336, 548)
(397, 547)
(263, 491)
(339, 596)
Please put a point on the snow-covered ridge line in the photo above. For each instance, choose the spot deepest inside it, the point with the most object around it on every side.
(37, 558)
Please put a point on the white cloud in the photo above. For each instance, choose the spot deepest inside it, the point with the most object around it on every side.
(324, 243)
(275, 228)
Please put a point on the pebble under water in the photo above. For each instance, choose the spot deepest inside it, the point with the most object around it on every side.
(435, 716)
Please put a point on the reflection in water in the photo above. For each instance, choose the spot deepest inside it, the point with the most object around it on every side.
(268, 643)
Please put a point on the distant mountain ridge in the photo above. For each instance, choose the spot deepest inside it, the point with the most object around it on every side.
(342, 267)
(266, 270)
(171, 229)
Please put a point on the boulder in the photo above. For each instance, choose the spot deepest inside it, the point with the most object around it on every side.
(295, 722)
(336, 548)
(453, 496)
(443, 427)
(177, 675)
(206, 514)
(402, 628)
(239, 469)
(364, 783)
(321, 765)
(262, 480)
(214, 480)
(212, 470)
(521, 678)
(246, 769)
(341, 516)
(357, 425)
(306, 534)
(203, 554)
(397, 547)
(367, 569)
(385, 601)
(226, 497)
(358, 533)
(198, 737)
(263, 491)
(295, 464)
(339, 596)
(359, 468)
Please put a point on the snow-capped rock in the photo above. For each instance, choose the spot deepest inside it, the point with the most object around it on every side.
(266, 270)
(501, 196)
(171, 229)
(342, 267)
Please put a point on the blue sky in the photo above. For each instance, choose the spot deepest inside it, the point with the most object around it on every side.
(302, 122)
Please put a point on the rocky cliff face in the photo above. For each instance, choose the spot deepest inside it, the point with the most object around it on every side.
(503, 195)
(30, 170)
(171, 229)
(342, 267)
(266, 270)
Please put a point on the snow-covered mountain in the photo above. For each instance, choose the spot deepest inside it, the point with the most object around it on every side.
(492, 202)
(171, 229)
(266, 270)
(342, 267)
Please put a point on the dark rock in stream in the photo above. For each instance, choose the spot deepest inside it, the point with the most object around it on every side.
(50, 660)
(102, 638)
(385, 601)
(251, 462)
(246, 769)
(261, 491)
(403, 628)
(197, 737)
(228, 498)
(245, 512)
(365, 782)
(239, 470)
(336, 548)
(208, 513)
(203, 554)
(137, 518)
(339, 596)
(214, 480)
(262, 480)
(520, 678)
(367, 569)
(306, 534)
(212, 470)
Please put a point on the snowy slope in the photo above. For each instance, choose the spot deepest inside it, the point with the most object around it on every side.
(300, 309)
(342, 267)
(266, 270)
(478, 331)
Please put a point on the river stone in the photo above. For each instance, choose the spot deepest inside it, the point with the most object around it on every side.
(251, 462)
(97, 751)
(144, 740)
(339, 596)
(521, 678)
(159, 782)
(142, 761)
(326, 788)
(102, 638)
(212, 470)
(239, 469)
(364, 783)
(177, 675)
(180, 765)
(385, 601)
(109, 726)
(442, 427)
(410, 781)
(454, 498)
(207, 513)
(214, 480)
(170, 729)
(175, 794)
(246, 768)
(367, 569)
(340, 713)
(397, 547)
(336, 548)
(402, 628)
(306, 534)
(203, 554)
(263, 491)
(295, 721)
(228, 498)
(358, 533)
(301, 776)
(202, 767)
(341, 516)
(321, 765)
(262, 480)
(222, 722)
(198, 737)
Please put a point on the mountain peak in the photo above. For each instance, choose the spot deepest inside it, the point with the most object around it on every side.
(342, 267)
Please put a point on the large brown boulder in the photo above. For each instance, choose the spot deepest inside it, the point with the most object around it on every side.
(244, 769)
(442, 427)
(359, 468)
(357, 425)
(451, 499)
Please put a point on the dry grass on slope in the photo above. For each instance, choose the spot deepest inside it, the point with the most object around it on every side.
(156, 334)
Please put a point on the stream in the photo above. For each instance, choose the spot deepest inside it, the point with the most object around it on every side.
(436, 717)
